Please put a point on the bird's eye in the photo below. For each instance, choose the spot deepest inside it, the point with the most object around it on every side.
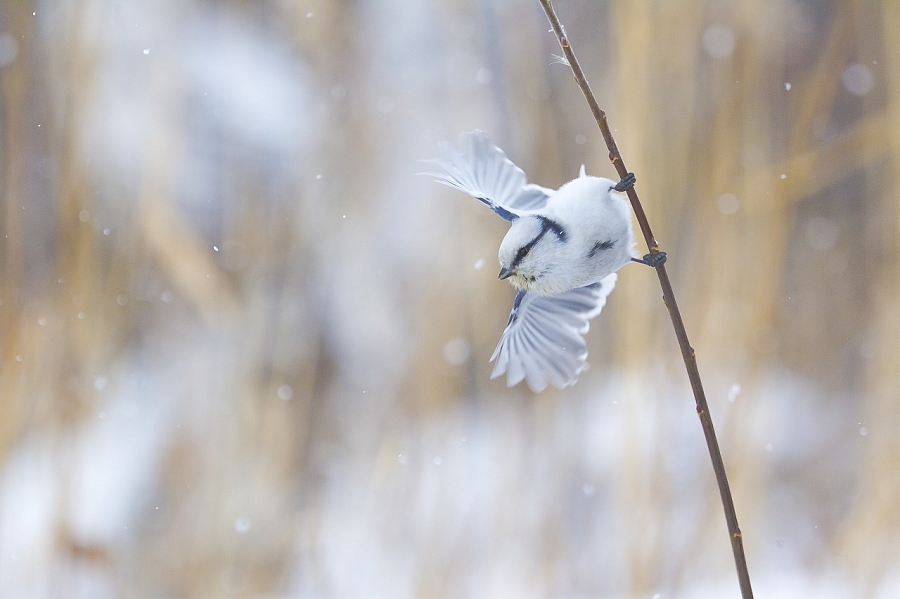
(523, 251)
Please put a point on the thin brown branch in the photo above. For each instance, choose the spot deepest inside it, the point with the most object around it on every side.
(687, 352)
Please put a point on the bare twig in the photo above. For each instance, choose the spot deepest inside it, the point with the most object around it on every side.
(687, 352)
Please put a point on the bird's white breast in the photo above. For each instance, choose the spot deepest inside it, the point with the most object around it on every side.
(592, 214)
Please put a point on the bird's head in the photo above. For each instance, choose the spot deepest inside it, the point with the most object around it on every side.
(531, 251)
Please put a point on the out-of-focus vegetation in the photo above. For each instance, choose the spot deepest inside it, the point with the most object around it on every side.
(245, 350)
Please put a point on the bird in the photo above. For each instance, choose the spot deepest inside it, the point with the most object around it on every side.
(561, 253)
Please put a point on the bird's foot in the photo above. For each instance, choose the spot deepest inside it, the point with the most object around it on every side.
(627, 181)
(652, 260)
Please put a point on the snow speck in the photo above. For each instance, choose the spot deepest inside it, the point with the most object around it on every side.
(588, 489)
(457, 352)
(718, 41)
(403, 459)
(787, 86)
(42, 321)
(310, 15)
(770, 448)
(858, 79)
(479, 264)
(81, 316)
(734, 392)
(580, 139)
(216, 248)
(285, 392)
(100, 383)
(437, 461)
(319, 176)
(728, 203)
(84, 216)
(344, 216)
(106, 231)
(18, 357)
(146, 51)
(863, 431)
(101, 415)
(783, 176)
(243, 524)
(121, 299)
(657, 596)
(167, 296)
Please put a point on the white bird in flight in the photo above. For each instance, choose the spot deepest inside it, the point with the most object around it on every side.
(561, 252)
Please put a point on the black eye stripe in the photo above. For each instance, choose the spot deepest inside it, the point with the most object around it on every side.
(547, 224)
(523, 251)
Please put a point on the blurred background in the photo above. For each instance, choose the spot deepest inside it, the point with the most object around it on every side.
(245, 348)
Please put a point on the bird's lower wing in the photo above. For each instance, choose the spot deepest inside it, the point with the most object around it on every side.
(484, 172)
(544, 339)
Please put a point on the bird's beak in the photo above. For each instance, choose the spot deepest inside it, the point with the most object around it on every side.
(506, 273)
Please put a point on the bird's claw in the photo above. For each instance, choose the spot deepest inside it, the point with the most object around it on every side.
(627, 181)
(652, 260)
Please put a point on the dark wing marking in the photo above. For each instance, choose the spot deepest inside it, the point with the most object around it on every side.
(544, 338)
(484, 172)
(601, 245)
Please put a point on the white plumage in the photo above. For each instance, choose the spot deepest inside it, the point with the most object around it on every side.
(561, 252)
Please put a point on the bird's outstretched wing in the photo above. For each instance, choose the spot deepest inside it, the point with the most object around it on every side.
(483, 171)
(544, 338)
